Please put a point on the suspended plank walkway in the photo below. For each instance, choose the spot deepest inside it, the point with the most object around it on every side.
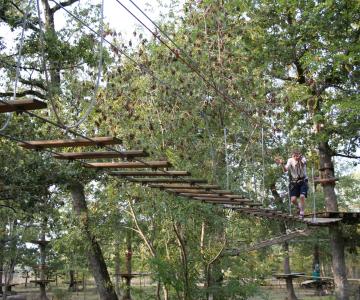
(172, 181)
(273, 241)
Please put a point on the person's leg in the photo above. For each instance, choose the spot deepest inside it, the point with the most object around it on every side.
(302, 204)
(303, 194)
(294, 200)
(294, 194)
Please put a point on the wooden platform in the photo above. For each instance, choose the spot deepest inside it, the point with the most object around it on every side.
(39, 242)
(321, 221)
(20, 105)
(325, 180)
(105, 154)
(291, 275)
(150, 173)
(78, 142)
(41, 267)
(42, 282)
(346, 217)
(132, 275)
(130, 165)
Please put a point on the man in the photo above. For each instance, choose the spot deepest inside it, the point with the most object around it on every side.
(298, 187)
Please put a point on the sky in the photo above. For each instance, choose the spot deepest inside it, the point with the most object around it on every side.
(116, 16)
(121, 20)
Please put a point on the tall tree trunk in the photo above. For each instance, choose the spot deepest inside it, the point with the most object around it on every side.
(2, 247)
(117, 268)
(53, 64)
(128, 257)
(316, 256)
(287, 270)
(184, 258)
(94, 254)
(72, 283)
(42, 266)
(335, 231)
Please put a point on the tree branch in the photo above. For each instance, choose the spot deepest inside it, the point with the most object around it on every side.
(347, 156)
(2, 205)
(36, 83)
(23, 93)
(62, 4)
(141, 233)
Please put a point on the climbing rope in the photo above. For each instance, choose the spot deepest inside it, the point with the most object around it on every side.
(314, 197)
(100, 66)
(263, 164)
(226, 158)
(18, 62)
(289, 191)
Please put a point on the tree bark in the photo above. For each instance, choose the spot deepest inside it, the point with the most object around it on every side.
(94, 255)
(128, 257)
(184, 259)
(72, 283)
(42, 248)
(117, 268)
(287, 270)
(336, 237)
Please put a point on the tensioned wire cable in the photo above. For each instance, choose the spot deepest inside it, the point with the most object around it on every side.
(141, 67)
(144, 68)
(182, 51)
(100, 66)
(18, 62)
(205, 80)
(61, 126)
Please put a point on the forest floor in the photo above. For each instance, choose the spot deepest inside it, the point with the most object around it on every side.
(148, 293)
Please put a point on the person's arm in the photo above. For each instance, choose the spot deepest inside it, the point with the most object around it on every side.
(281, 162)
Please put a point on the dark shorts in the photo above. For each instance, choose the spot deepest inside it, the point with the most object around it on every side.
(298, 188)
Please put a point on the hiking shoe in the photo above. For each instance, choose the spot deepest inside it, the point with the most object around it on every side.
(301, 216)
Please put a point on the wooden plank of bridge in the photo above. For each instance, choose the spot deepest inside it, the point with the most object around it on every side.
(103, 154)
(269, 242)
(167, 180)
(20, 105)
(218, 201)
(195, 190)
(78, 142)
(185, 186)
(219, 198)
(149, 173)
(130, 165)
(215, 195)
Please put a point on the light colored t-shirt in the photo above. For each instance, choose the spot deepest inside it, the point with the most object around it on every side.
(296, 168)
